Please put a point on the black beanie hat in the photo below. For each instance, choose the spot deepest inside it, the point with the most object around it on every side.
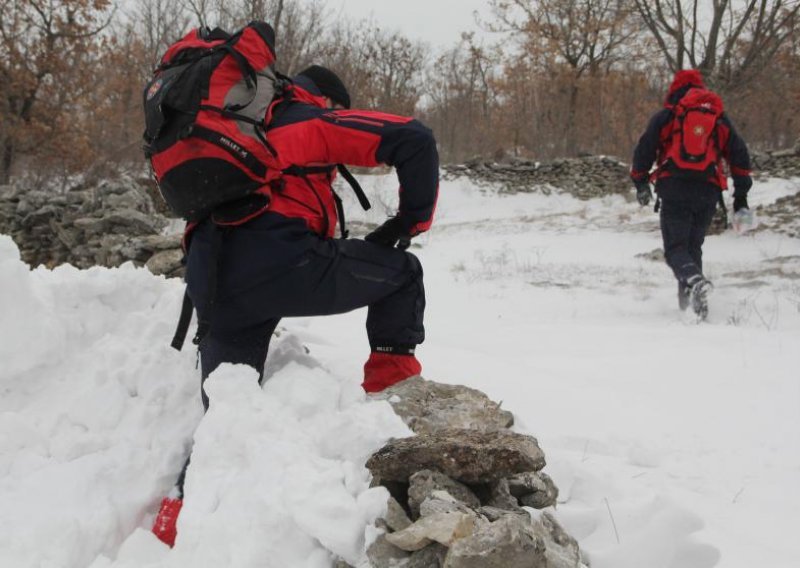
(328, 84)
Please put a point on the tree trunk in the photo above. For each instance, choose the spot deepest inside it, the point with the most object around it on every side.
(278, 13)
(8, 159)
(571, 135)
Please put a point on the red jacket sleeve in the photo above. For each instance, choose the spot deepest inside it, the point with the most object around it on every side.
(369, 138)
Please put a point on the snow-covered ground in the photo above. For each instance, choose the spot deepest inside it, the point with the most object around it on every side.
(675, 445)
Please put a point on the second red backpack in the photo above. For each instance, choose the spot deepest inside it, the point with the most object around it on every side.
(693, 149)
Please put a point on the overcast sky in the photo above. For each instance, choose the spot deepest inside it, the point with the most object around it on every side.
(438, 22)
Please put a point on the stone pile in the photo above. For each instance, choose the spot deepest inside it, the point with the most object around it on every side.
(781, 216)
(466, 491)
(123, 219)
(779, 163)
(585, 178)
(106, 224)
(593, 176)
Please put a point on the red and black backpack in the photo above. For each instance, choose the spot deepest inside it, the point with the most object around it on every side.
(204, 113)
(693, 147)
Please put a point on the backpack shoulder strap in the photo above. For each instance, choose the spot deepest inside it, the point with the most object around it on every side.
(357, 189)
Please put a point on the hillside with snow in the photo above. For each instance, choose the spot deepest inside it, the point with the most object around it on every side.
(674, 444)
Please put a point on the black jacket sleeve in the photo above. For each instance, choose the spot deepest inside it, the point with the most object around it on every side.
(646, 151)
(735, 150)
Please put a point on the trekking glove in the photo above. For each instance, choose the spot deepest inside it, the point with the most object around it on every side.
(643, 193)
(391, 233)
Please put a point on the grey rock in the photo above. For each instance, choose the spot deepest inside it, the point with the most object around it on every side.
(130, 200)
(432, 556)
(494, 513)
(382, 554)
(533, 489)
(77, 197)
(161, 242)
(656, 255)
(424, 483)
(166, 262)
(547, 496)
(469, 456)
(444, 528)
(132, 222)
(525, 483)
(396, 518)
(92, 226)
(41, 216)
(509, 542)
(500, 496)
(442, 502)
(69, 236)
(788, 153)
(427, 406)
(561, 550)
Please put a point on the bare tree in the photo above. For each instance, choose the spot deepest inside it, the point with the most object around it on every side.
(42, 48)
(462, 100)
(232, 14)
(584, 35)
(159, 23)
(729, 41)
(302, 34)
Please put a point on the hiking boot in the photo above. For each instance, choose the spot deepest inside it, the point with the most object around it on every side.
(165, 526)
(683, 296)
(698, 296)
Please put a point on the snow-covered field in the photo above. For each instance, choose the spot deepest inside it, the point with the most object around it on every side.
(675, 445)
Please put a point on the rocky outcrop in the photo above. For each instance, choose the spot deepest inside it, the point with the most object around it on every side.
(593, 176)
(124, 219)
(466, 491)
(781, 216)
(778, 163)
(107, 224)
(585, 178)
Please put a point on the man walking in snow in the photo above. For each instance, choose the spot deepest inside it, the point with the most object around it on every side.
(285, 261)
(688, 140)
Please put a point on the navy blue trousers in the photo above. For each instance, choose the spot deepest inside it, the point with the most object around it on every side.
(274, 267)
(684, 223)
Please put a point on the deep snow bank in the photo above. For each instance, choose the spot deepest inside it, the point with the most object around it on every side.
(96, 417)
(674, 445)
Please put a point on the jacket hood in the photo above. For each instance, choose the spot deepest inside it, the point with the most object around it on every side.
(305, 91)
(684, 80)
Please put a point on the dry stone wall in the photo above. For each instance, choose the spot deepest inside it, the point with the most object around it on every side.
(123, 219)
(583, 177)
(592, 176)
(107, 224)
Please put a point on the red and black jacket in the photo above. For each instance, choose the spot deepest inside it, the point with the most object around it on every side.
(652, 145)
(307, 135)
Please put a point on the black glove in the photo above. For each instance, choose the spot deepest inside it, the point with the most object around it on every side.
(391, 233)
(643, 193)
